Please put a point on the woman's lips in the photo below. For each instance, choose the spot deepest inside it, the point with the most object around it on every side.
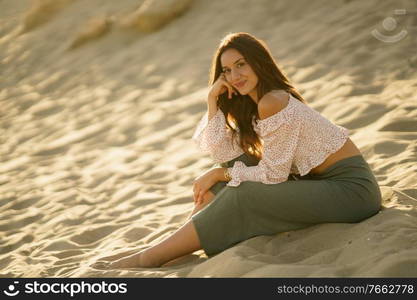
(240, 84)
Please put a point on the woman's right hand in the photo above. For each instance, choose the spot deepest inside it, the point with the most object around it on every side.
(221, 86)
(203, 183)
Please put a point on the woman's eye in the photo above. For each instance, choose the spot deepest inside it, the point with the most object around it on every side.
(226, 71)
(240, 64)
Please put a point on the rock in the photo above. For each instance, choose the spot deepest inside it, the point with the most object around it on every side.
(153, 14)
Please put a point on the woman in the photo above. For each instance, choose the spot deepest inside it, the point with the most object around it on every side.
(281, 165)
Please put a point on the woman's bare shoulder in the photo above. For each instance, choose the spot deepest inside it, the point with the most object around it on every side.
(272, 103)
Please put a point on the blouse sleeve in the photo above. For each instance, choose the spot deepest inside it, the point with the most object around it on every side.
(280, 134)
(213, 137)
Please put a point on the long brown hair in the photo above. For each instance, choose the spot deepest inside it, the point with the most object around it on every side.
(241, 109)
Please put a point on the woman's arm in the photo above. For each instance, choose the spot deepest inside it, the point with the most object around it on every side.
(211, 106)
(212, 136)
(222, 174)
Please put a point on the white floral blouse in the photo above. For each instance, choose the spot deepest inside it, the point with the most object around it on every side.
(295, 140)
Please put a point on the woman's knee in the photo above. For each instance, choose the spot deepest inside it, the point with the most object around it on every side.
(230, 197)
(248, 190)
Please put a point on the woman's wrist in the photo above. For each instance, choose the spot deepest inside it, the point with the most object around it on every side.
(211, 98)
(222, 174)
(227, 174)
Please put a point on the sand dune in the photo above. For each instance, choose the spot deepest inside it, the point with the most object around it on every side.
(95, 143)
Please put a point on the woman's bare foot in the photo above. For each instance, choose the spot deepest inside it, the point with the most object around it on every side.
(104, 262)
(138, 260)
(119, 255)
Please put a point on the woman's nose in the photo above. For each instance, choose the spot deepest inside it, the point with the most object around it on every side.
(235, 75)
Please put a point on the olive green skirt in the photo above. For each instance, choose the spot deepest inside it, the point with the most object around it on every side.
(346, 192)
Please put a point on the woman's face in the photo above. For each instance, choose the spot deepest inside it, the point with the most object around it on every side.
(239, 73)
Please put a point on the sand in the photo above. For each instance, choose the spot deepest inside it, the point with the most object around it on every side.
(97, 115)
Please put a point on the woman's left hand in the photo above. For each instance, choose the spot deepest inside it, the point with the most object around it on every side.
(203, 183)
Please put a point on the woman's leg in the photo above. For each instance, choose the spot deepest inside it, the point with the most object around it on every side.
(346, 193)
(181, 242)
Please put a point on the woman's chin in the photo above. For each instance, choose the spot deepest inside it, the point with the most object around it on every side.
(244, 91)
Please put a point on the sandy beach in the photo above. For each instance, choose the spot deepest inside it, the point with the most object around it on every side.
(99, 100)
